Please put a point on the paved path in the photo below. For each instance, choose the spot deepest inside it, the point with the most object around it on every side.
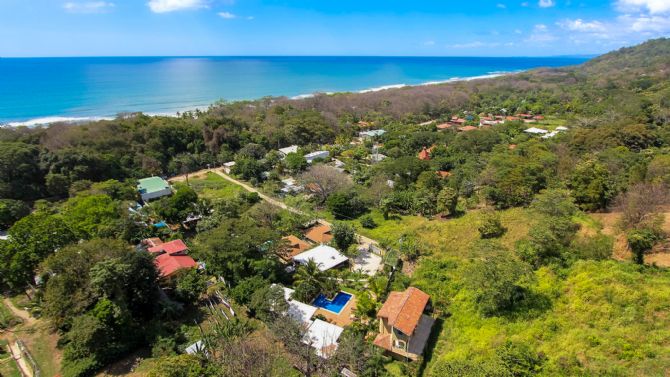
(20, 360)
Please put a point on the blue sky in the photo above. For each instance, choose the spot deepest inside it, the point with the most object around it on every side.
(327, 27)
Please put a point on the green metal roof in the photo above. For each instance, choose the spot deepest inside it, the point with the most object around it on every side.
(152, 184)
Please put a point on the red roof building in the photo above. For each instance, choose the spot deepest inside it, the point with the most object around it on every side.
(403, 328)
(425, 153)
(467, 128)
(169, 264)
(172, 247)
(171, 256)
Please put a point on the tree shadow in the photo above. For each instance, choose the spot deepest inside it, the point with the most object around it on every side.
(431, 345)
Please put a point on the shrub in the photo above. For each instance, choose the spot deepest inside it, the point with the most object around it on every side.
(368, 222)
(491, 226)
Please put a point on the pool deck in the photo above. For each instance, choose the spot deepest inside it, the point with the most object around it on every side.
(344, 318)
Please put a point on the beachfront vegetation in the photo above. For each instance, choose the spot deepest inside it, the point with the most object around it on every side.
(499, 226)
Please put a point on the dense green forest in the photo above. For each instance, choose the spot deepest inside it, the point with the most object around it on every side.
(514, 242)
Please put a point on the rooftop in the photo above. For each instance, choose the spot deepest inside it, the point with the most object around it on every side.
(319, 233)
(324, 256)
(168, 264)
(172, 247)
(152, 184)
(403, 310)
(297, 310)
(296, 245)
(323, 337)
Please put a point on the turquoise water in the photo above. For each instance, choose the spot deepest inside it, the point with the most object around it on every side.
(33, 88)
(335, 305)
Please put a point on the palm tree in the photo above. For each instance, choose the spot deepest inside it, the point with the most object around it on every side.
(310, 281)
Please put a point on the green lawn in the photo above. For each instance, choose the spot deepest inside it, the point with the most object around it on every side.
(7, 319)
(213, 186)
(450, 237)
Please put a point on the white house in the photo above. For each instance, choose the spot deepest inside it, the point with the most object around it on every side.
(290, 186)
(371, 133)
(287, 150)
(310, 157)
(153, 188)
(550, 135)
(323, 337)
(324, 256)
(297, 310)
(228, 166)
(536, 131)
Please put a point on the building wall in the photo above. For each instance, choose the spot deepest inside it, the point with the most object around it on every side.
(156, 194)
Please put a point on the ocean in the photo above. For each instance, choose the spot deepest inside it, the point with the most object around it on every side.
(42, 90)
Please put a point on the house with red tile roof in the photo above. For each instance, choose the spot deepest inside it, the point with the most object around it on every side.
(404, 329)
(172, 247)
(295, 246)
(425, 153)
(467, 128)
(444, 126)
(170, 256)
(319, 234)
(443, 173)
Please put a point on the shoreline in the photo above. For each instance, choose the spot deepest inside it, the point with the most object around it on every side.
(73, 120)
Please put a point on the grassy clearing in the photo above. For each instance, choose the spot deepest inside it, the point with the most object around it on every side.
(213, 186)
(604, 318)
(42, 345)
(450, 237)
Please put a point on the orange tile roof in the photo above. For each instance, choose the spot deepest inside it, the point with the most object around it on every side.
(443, 173)
(467, 128)
(151, 242)
(168, 264)
(172, 247)
(403, 310)
(512, 146)
(319, 234)
(424, 154)
(296, 245)
(443, 126)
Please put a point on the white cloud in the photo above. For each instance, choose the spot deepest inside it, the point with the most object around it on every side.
(652, 6)
(653, 25)
(164, 6)
(227, 15)
(501, 6)
(88, 7)
(541, 34)
(546, 3)
(583, 26)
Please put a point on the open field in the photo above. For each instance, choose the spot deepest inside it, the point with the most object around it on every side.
(212, 186)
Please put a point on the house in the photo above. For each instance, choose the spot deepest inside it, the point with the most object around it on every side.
(550, 135)
(443, 173)
(324, 256)
(425, 153)
(444, 126)
(535, 131)
(403, 327)
(310, 157)
(290, 186)
(467, 128)
(151, 242)
(319, 234)
(371, 133)
(153, 188)
(323, 337)
(171, 257)
(300, 312)
(228, 166)
(285, 151)
(295, 247)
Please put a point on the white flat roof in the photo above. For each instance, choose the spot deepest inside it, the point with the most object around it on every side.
(297, 310)
(291, 149)
(317, 154)
(323, 337)
(324, 256)
(535, 130)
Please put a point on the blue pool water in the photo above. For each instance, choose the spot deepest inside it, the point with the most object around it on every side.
(335, 305)
(161, 224)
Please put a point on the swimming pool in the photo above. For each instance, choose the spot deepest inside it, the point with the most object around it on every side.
(335, 305)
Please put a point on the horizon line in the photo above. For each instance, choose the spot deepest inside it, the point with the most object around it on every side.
(589, 56)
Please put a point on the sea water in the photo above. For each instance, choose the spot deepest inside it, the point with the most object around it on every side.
(43, 90)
